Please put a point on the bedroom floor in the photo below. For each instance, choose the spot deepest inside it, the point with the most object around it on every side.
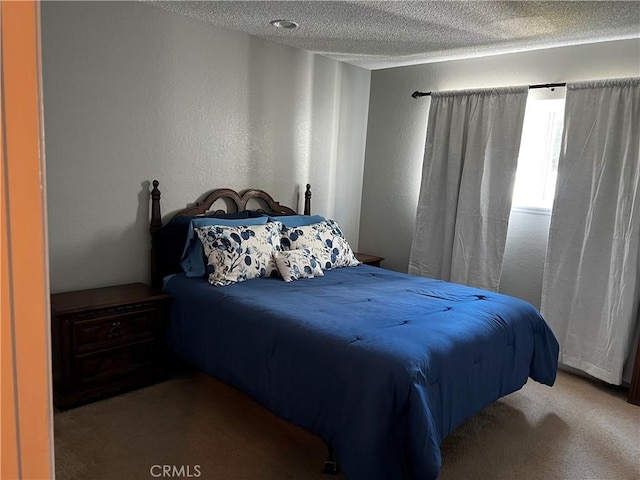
(579, 429)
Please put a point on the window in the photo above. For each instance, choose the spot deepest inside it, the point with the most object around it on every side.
(539, 150)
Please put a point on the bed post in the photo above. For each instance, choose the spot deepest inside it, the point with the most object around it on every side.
(307, 200)
(156, 224)
(331, 466)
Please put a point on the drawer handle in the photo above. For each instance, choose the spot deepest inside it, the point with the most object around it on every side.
(115, 330)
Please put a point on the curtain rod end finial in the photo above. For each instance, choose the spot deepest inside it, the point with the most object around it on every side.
(418, 94)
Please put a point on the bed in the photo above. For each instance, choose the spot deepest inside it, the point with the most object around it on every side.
(381, 365)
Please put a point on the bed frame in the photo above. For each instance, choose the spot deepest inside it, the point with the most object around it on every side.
(234, 202)
(537, 341)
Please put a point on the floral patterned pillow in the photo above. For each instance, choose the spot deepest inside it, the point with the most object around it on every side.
(295, 264)
(326, 242)
(236, 254)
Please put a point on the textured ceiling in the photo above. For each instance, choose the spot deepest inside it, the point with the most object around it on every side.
(385, 34)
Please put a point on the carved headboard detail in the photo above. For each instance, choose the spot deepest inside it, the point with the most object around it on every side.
(240, 201)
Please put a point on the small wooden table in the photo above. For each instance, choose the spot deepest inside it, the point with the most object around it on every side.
(105, 340)
(367, 259)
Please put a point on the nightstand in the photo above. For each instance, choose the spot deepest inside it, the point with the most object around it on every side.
(367, 259)
(106, 340)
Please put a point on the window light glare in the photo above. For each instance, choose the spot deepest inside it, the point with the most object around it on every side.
(287, 24)
(539, 151)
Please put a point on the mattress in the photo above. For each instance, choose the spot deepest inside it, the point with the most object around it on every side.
(381, 365)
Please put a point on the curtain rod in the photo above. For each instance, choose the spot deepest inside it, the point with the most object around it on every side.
(418, 94)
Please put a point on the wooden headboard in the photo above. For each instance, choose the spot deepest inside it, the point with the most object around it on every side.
(233, 200)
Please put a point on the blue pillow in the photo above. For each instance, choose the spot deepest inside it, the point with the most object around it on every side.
(297, 220)
(193, 261)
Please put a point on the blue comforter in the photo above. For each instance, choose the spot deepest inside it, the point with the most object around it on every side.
(381, 365)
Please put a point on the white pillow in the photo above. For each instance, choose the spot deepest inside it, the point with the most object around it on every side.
(236, 254)
(295, 264)
(326, 242)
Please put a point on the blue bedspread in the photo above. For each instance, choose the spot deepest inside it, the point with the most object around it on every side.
(381, 365)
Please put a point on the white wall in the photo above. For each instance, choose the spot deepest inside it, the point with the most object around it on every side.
(396, 139)
(133, 93)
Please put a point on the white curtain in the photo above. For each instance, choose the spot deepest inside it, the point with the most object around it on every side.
(471, 154)
(591, 284)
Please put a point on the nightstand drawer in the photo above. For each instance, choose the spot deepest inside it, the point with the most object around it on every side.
(97, 333)
(115, 365)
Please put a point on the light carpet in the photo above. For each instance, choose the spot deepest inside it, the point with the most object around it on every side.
(578, 430)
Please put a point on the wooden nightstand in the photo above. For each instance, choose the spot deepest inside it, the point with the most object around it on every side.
(367, 259)
(106, 340)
